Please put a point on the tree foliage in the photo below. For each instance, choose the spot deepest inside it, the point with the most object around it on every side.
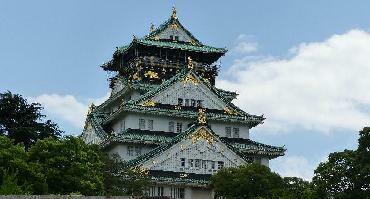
(247, 181)
(22, 122)
(346, 174)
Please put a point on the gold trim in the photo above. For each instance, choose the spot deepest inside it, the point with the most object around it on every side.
(202, 134)
(190, 63)
(229, 111)
(202, 116)
(149, 103)
(151, 74)
(191, 79)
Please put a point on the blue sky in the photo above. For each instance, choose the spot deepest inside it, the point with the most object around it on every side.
(50, 51)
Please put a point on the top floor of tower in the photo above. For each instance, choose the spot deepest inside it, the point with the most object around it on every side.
(159, 55)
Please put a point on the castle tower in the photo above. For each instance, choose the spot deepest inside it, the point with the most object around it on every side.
(166, 115)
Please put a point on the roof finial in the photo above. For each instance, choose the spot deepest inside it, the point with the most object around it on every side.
(174, 13)
(151, 27)
(91, 108)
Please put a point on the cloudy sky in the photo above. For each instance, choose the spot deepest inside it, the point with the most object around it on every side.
(304, 65)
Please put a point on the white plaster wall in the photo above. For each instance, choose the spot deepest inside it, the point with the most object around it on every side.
(265, 161)
(161, 124)
(121, 150)
(190, 91)
(219, 129)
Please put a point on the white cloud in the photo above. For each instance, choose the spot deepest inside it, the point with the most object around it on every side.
(67, 107)
(245, 44)
(322, 86)
(294, 166)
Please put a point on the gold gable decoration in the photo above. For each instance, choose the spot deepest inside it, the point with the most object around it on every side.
(202, 134)
(229, 111)
(149, 103)
(191, 79)
(151, 74)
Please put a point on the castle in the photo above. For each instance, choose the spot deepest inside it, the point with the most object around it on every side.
(166, 115)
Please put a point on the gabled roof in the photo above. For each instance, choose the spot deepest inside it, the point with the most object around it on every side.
(136, 105)
(181, 136)
(173, 20)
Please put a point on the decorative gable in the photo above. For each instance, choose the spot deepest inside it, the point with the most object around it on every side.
(199, 152)
(174, 32)
(190, 90)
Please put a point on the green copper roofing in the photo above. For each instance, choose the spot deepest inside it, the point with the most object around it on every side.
(140, 136)
(170, 177)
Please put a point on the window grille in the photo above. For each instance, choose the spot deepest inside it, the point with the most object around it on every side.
(178, 127)
(171, 126)
(141, 123)
(236, 132)
(130, 150)
(150, 124)
(228, 131)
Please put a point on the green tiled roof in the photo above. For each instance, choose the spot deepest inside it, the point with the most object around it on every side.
(140, 136)
(179, 177)
(250, 147)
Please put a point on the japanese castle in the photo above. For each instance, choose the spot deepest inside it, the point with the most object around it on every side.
(166, 116)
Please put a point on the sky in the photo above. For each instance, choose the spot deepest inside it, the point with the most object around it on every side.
(305, 65)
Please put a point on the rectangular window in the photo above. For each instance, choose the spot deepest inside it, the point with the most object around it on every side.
(160, 191)
(171, 37)
(228, 131)
(130, 150)
(204, 164)
(176, 38)
(193, 103)
(150, 124)
(141, 123)
(186, 102)
(177, 193)
(138, 150)
(180, 101)
(191, 163)
(178, 127)
(220, 165)
(182, 162)
(212, 164)
(171, 126)
(197, 163)
(236, 132)
(123, 125)
(199, 103)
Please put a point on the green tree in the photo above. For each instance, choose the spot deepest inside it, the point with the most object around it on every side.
(22, 122)
(346, 174)
(247, 181)
(121, 179)
(14, 164)
(69, 165)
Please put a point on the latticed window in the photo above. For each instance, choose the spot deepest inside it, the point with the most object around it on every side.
(182, 162)
(212, 164)
(191, 163)
(160, 191)
(178, 127)
(236, 132)
(180, 101)
(193, 102)
(138, 150)
(177, 193)
(141, 123)
(199, 103)
(197, 163)
(228, 131)
(220, 165)
(150, 124)
(171, 126)
(186, 102)
(130, 150)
